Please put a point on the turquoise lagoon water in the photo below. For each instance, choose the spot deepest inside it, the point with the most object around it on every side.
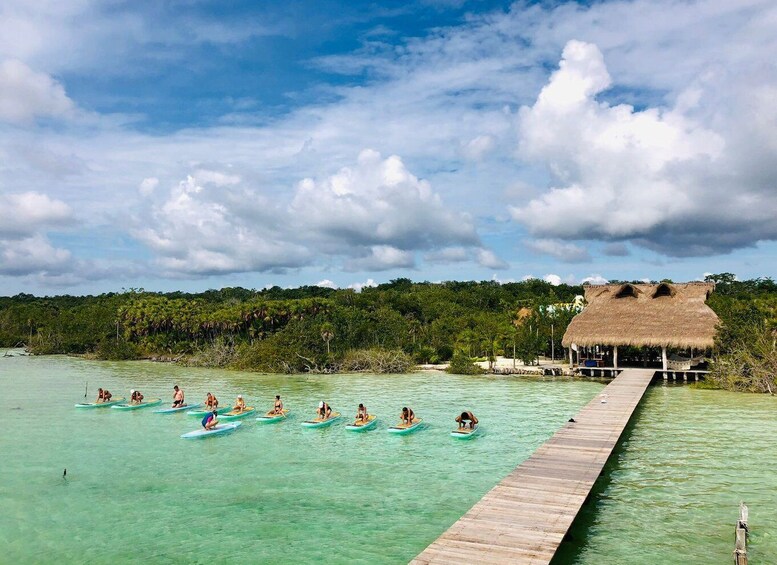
(280, 493)
(136, 492)
(672, 493)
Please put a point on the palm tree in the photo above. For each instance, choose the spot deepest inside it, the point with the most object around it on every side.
(327, 334)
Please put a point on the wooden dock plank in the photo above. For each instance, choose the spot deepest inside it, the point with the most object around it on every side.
(524, 518)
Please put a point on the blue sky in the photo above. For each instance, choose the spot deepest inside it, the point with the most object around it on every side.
(194, 145)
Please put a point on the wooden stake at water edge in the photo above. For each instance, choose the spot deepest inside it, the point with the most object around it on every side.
(740, 552)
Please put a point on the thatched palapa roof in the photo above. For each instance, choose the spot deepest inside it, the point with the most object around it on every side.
(645, 315)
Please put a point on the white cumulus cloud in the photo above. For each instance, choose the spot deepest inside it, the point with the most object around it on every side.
(448, 255)
(674, 179)
(373, 216)
(359, 286)
(379, 202)
(594, 279)
(382, 258)
(26, 94)
(26, 213)
(148, 185)
(208, 225)
(490, 260)
(563, 251)
(32, 255)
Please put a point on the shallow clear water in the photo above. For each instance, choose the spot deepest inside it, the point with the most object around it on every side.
(136, 492)
(672, 493)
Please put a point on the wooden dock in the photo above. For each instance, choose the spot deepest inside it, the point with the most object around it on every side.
(524, 518)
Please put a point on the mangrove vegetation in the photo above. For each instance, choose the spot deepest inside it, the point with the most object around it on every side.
(387, 328)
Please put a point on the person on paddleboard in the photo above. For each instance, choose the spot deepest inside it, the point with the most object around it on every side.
(210, 420)
(407, 416)
(100, 396)
(177, 397)
(278, 408)
(211, 401)
(465, 418)
(240, 404)
(324, 410)
(361, 413)
(136, 397)
(107, 395)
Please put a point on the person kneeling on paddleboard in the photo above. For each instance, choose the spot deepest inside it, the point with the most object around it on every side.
(324, 410)
(465, 418)
(135, 397)
(240, 404)
(211, 401)
(278, 409)
(210, 420)
(407, 416)
(177, 397)
(361, 413)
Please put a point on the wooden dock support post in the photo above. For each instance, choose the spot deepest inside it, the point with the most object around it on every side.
(740, 552)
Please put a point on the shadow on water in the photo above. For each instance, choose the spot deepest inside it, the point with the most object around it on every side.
(577, 537)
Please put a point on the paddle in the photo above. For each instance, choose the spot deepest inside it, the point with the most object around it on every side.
(86, 388)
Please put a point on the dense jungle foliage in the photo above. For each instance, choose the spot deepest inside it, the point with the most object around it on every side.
(746, 344)
(387, 328)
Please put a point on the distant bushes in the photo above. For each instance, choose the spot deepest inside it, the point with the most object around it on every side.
(377, 361)
(746, 343)
(110, 350)
(269, 357)
(461, 364)
(266, 356)
(220, 353)
(748, 367)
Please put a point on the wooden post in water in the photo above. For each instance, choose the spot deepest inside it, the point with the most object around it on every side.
(740, 551)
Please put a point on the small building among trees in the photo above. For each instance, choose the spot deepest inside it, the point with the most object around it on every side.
(663, 325)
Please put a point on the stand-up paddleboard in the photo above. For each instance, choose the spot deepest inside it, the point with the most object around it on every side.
(178, 409)
(101, 404)
(217, 430)
(271, 417)
(361, 425)
(406, 428)
(236, 415)
(319, 423)
(202, 411)
(144, 404)
(465, 433)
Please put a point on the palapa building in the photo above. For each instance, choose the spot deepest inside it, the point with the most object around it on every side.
(665, 316)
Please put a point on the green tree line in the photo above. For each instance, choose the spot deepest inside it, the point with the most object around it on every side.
(301, 329)
(746, 342)
(383, 328)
